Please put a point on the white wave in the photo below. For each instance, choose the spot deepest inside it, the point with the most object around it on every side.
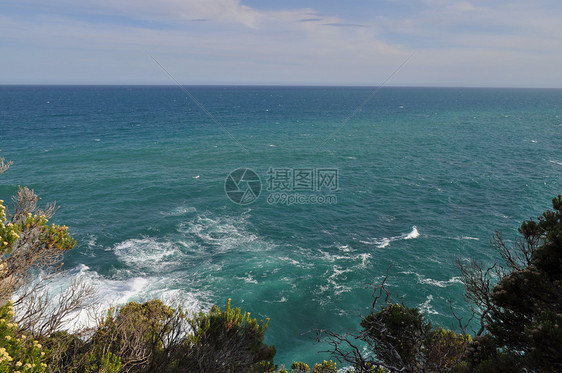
(364, 259)
(456, 238)
(413, 234)
(112, 292)
(361, 258)
(383, 242)
(247, 279)
(556, 162)
(179, 211)
(91, 241)
(345, 248)
(335, 286)
(428, 281)
(223, 233)
(427, 307)
(282, 300)
(148, 254)
(290, 260)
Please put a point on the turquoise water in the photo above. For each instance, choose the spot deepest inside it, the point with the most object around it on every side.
(424, 177)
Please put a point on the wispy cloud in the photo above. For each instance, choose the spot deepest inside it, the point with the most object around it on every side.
(222, 41)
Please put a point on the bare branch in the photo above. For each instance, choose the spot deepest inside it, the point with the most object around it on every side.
(4, 165)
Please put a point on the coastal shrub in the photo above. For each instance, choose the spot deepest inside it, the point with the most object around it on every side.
(521, 313)
(445, 349)
(153, 337)
(325, 367)
(109, 363)
(228, 340)
(31, 252)
(299, 367)
(18, 352)
(396, 334)
(140, 336)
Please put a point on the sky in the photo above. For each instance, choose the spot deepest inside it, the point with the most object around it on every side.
(473, 43)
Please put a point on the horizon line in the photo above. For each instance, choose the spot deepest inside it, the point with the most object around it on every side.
(262, 85)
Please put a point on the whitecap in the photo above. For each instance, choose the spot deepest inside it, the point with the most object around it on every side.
(247, 279)
(290, 260)
(148, 254)
(383, 242)
(556, 162)
(345, 248)
(429, 281)
(115, 292)
(426, 306)
(413, 234)
(179, 211)
(364, 259)
(333, 283)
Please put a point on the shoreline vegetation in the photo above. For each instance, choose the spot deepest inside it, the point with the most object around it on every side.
(516, 303)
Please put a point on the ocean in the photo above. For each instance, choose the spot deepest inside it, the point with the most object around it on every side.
(292, 201)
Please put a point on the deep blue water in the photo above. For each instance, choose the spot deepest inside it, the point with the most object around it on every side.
(425, 176)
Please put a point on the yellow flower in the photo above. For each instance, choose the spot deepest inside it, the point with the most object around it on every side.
(18, 364)
(8, 337)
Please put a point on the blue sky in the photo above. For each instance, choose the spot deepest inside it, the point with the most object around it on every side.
(492, 43)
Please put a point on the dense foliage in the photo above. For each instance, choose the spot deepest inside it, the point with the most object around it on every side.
(524, 310)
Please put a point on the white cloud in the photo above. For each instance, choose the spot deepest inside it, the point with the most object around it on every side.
(456, 42)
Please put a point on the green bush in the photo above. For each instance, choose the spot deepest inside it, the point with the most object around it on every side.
(138, 334)
(445, 349)
(226, 340)
(396, 334)
(299, 367)
(18, 353)
(325, 367)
